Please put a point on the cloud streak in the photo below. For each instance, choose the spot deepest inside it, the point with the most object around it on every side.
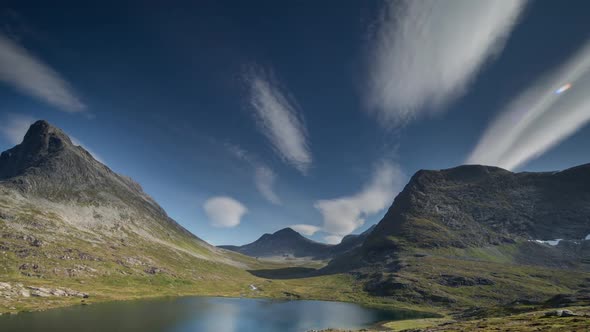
(425, 53)
(305, 229)
(539, 118)
(26, 73)
(345, 214)
(264, 176)
(224, 211)
(279, 118)
(265, 179)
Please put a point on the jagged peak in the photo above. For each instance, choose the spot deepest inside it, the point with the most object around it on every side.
(41, 141)
(42, 132)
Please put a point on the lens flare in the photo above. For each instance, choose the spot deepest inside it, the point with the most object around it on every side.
(563, 88)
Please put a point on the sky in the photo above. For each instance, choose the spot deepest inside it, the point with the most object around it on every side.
(242, 118)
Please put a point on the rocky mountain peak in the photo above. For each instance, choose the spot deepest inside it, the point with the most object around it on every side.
(42, 135)
(48, 164)
(40, 141)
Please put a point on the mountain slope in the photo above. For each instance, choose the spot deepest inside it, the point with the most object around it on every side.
(471, 235)
(68, 220)
(481, 205)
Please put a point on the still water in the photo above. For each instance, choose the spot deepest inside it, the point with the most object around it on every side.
(213, 314)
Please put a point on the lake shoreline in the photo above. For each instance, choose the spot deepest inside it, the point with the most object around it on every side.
(336, 313)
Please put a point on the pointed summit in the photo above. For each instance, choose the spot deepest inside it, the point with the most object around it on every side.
(47, 136)
(48, 165)
(41, 142)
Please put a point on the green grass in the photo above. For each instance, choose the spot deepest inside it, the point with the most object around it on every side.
(115, 270)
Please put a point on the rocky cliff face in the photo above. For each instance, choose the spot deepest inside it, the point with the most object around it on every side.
(481, 205)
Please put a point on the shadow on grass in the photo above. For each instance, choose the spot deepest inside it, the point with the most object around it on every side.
(285, 273)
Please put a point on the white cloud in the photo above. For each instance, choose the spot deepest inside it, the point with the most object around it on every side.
(264, 176)
(30, 75)
(304, 229)
(265, 180)
(279, 119)
(333, 239)
(224, 211)
(345, 214)
(425, 53)
(539, 118)
(14, 127)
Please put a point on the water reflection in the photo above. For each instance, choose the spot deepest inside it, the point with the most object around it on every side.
(202, 314)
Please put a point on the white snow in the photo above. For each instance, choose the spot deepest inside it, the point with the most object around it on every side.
(587, 237)
(549, 242)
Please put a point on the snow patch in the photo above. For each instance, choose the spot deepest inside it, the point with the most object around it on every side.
(587, 237)
(549, 242)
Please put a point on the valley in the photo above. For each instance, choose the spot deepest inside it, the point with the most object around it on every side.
(462, 245)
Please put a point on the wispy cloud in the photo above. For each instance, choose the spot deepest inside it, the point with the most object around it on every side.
(14, 127)
(224, 211)
(425, 53)
(265, 180)
(279, 118)
(539, 118)
(345, 214)
(26, 73)
(305, 229)
(264, 176)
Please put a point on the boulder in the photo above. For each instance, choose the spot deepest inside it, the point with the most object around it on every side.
(560, 313)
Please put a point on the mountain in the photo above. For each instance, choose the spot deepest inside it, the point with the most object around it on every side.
(48, 166)
(68, 220)
(478, 235)
(288, 243)
(283, 243)
(475, 206)
(350, 242)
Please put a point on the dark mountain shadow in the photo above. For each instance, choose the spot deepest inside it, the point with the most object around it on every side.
(285, 273)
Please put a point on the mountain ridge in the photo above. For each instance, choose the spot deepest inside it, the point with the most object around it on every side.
(287, 242)
(489, 205)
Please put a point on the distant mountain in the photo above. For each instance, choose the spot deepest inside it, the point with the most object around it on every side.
(289, 243)
(283, 243)
(65, 215)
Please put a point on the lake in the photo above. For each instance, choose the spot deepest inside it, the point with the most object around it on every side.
(184, 314)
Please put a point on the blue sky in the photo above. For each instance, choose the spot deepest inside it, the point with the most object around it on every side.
(242, 118)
